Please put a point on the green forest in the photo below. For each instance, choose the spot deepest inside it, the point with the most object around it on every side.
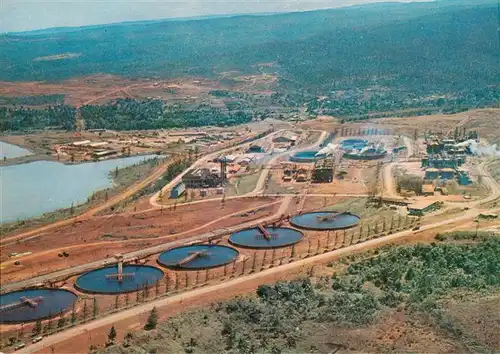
(355, 62)
(122, 114)
(420, 47)
(415, 278)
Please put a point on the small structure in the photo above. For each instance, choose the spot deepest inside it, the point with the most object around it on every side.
(488, 216)
(81, 143)
(286, 137)
(431, 173)
(99, 144)
(422, 207)
(323, 171)
(398, 149)
(428, 189)
(119, 275)
(100, 154)
(178, 190)
(447, 173)
(266, 234)
(23, 302)
(255, 149)
(463, 178)
(202, 178)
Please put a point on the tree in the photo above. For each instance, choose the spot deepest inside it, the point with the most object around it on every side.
(152, 320)
(48, 326)
(85, 310)
(127, 339)
(37, 329)
(95, 308)
(73, 315)
(112, 334)
(62, 321)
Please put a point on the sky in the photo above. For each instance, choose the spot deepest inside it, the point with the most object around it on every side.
(23, 15)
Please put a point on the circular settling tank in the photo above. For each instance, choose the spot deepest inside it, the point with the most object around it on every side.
(107, 281)
(307, 156)
(34, 304)
(273, 237)
(349, 144)
(325, 220)
(198, 257)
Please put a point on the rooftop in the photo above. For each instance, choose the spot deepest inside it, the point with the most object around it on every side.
(428, 188)
(421, 205)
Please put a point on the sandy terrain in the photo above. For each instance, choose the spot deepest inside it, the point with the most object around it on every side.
(98, 89)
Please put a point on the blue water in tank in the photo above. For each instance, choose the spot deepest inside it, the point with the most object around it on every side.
(54, 302)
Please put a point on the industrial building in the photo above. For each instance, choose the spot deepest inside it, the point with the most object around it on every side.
(398, 149)
(286, 137)
(203, 178)
(101, 154)
(443, 161)
(431, 173)
(463, 178)
(447, 173)
(255, 149)
(423, 207)
(428, 189)
(323, 171)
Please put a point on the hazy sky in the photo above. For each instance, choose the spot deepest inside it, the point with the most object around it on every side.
(21, 15)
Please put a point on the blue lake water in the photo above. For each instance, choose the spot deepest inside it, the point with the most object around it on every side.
(31, 189)
(11, 151)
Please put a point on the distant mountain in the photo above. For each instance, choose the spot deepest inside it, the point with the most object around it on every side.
(53, 30)
(442, 46)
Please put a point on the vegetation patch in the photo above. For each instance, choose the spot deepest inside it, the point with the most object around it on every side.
(58, 57)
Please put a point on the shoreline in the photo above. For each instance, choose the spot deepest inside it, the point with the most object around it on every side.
(38, 157)
(51, 216)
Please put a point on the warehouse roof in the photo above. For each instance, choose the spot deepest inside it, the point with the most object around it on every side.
(421, 205)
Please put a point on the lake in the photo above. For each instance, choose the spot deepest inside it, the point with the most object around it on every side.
(31, 189)
(11, 151)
